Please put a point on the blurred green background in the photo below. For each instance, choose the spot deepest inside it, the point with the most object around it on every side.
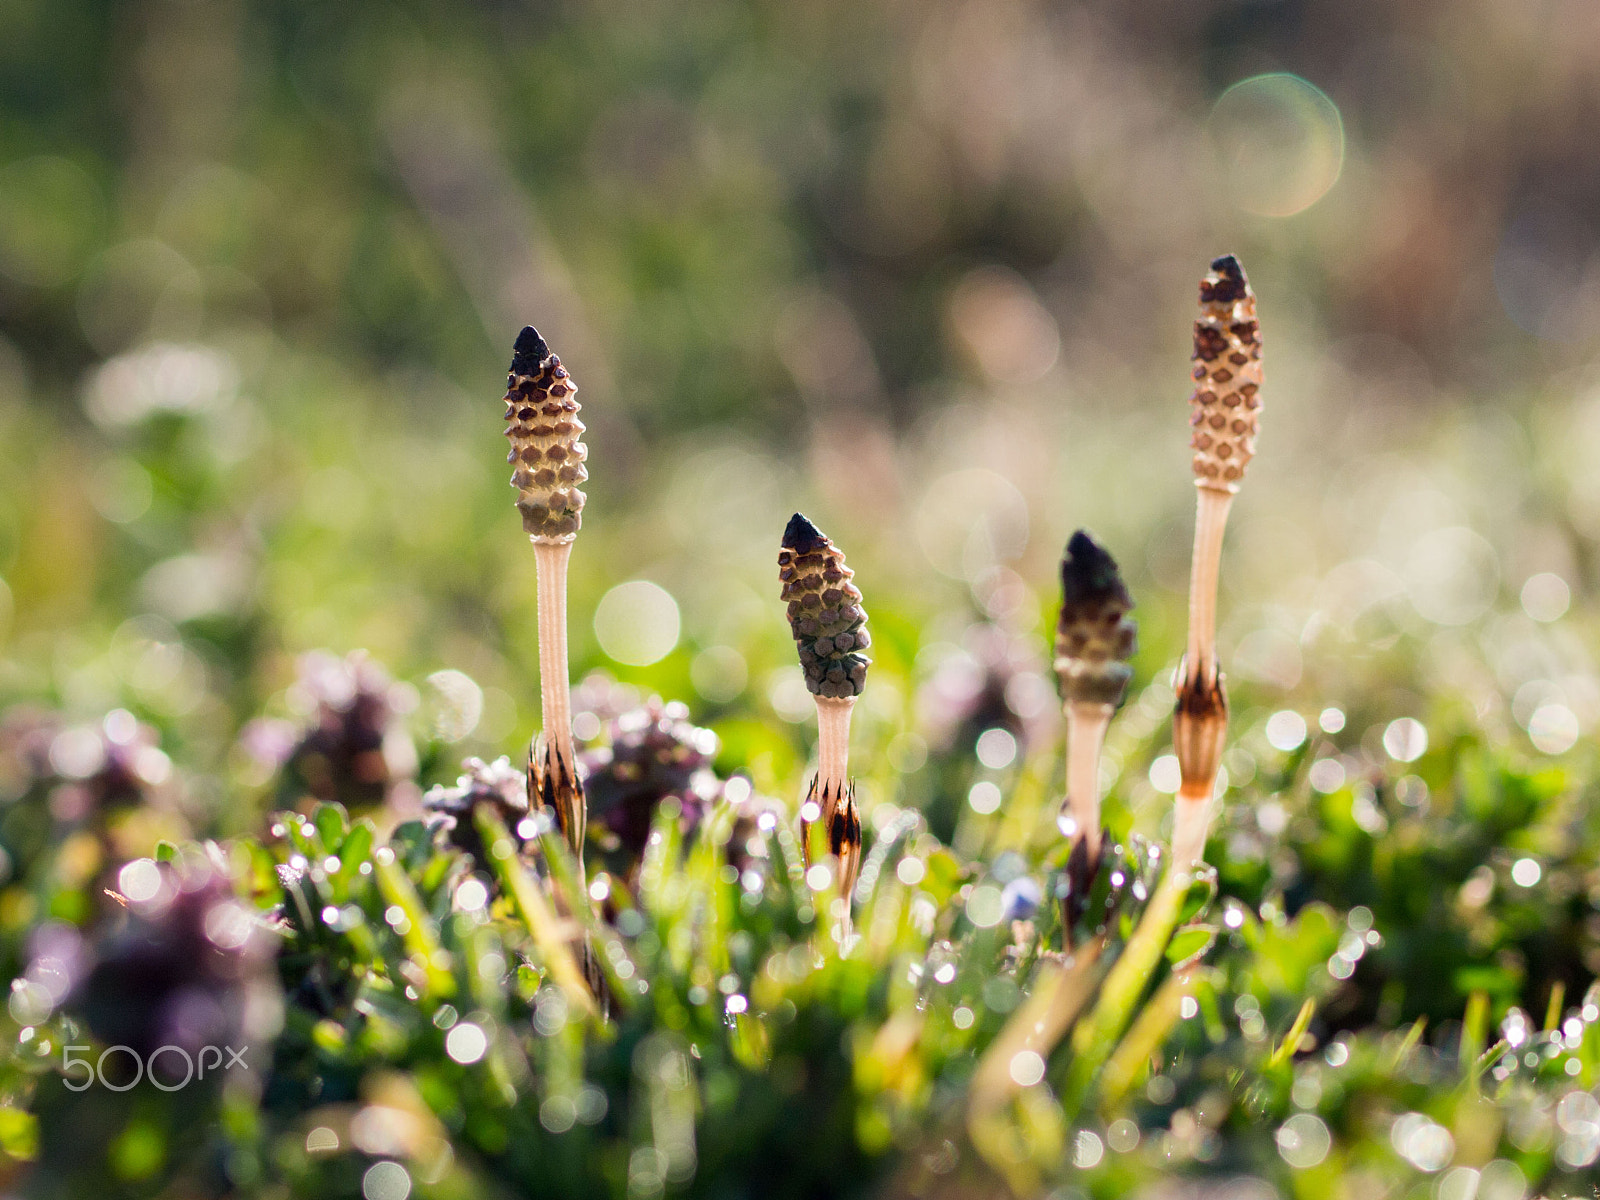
(925, 271)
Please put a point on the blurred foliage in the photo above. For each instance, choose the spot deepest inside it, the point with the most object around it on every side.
(435, 1019)
(924, 271)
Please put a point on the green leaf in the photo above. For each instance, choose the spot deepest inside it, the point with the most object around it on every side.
(19, 1133)
(421, 934)
(538, 917)
(412, 843)
(331, 821)
(1202, 890)
(1291, 1040)
(1189, 943)
(357, 847)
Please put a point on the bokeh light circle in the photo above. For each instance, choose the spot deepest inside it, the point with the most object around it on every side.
(1304, 1141)
(637, 623)
(1027, 1068)
(719, 673)
(1165, 774)
(140, 880)
(386, 1181)
(1286, 730)
(1001, 322)
(985, 908)
(459, 704)
(1546, 597)
(969, 520)
(1405, 739)
(1278, 142)
(985, 797)
(1553, 729)
(997, 748)
(466, 1043)
(1452, 576)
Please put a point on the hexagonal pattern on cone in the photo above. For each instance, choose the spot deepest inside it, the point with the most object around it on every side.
(825, 612)
(547, 457)
(1226, 404)
(1095, 637)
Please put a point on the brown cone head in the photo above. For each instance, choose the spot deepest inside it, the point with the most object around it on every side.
(1226, 404)
(825, 613)
(1095, 637)
(546, 455)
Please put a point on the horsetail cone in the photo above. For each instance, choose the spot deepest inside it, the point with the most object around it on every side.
(1226, 404)
(830, 631)
(825, 613)
(1095, 637)
(1225, 417)
(547, 457)
(548, 465)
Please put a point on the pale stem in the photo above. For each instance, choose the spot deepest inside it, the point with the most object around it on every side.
(1210, 519)
(1191, 824)
(833, 739)
(1087, 723)
(555, 695)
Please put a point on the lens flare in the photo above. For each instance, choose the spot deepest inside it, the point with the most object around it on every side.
(1278, 142)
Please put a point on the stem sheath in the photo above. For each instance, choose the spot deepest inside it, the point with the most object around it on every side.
(834, 797)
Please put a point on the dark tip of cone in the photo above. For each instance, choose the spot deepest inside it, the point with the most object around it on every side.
(801, 536)
(1226, 283)
(529, 352)
(1081, 546)
(1088, 571)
